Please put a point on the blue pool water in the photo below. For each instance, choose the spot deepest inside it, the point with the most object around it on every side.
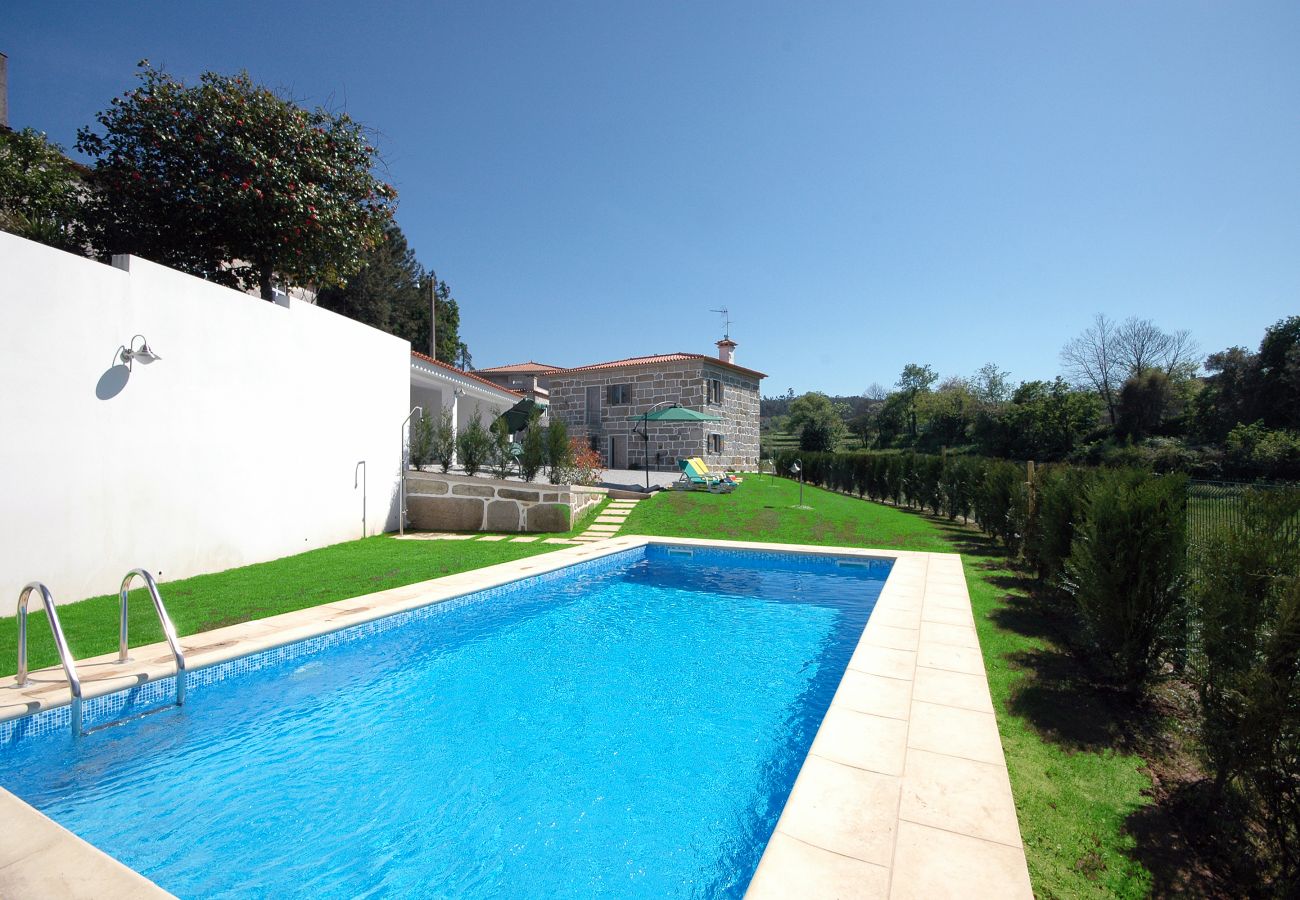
(630, 730)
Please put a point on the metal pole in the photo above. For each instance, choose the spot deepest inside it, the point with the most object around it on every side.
(401, 506)
(361, 468)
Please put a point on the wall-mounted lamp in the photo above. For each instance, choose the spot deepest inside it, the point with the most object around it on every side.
(130, 352)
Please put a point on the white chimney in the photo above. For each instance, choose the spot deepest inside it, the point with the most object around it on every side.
(727, 350)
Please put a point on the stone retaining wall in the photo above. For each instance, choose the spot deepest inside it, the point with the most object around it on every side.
(437, 502)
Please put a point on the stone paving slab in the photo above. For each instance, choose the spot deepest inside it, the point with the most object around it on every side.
(495, 537)
(523, 540)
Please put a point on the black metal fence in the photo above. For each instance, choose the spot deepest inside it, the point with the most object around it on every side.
(1214, 505)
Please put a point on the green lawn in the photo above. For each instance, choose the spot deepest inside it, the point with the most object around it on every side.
(308, 579)
(1072, 797)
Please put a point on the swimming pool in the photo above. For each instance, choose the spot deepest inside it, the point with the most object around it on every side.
(628, 726)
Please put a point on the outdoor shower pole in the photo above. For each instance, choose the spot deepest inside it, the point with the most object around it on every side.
(401, 505)
(360, 468)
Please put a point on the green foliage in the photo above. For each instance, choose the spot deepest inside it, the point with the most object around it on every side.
(473, 445)
(231, 182)
(1144, 400)
(1254, 451)
(1058, 508)
(947, 414)
(559, 453)
(817, 421)
(502, 455)
(391, 292)
(443, 447)
(913, 381)
(1044, 421)
(1125, 569)
(1247, 602)
(40, 190)
(422, 440)
(533, 450)
(1278, 375)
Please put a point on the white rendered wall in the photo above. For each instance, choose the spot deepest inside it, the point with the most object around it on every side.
(238, 446)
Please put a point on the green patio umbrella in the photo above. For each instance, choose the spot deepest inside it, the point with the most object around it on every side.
(674, 413)
(518, 415)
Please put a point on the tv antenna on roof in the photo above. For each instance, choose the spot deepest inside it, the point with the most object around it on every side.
(726, 322)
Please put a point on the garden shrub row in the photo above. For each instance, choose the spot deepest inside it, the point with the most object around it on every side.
(1113, 544)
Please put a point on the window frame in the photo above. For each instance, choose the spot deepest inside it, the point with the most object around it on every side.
(618, 394)
(715, 391)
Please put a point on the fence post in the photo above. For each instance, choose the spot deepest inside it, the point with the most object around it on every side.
(1029, 482)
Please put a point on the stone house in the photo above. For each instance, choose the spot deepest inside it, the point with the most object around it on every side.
(527, 378)
(602, 402)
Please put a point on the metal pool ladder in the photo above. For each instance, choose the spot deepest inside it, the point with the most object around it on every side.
(60, 643)
(169, 630)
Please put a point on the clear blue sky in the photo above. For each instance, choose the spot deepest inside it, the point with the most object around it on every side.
(862, 184)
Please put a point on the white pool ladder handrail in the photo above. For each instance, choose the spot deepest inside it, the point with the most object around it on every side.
(60, 643)
(169, 630)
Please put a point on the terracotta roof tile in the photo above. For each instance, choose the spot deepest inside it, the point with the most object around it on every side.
(470, 375)
(513, 368)
(659, 358)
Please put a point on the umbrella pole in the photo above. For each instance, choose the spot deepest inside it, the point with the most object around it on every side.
(645, 457)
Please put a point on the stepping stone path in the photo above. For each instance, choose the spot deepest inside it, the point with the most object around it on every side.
(608, 522)
(606, 525)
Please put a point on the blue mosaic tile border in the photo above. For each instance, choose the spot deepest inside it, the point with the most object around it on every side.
(875, 566)
(152, 695)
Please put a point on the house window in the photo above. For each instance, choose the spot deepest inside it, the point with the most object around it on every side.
(618, 394)
(593, 406)
(715, 444)
(715, 390)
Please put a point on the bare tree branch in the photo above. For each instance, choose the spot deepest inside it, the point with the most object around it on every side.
(1091, 360)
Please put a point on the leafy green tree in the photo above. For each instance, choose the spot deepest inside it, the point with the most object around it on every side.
(385, 291)
(891, 419)
(913, 381)
(40, 190)
(818, 422)
(1228, 398)
(1278, 378)
(991, 386)
(1143, 402)
(947, 413)
(1046, 420)
(231, 182)
(391, 293)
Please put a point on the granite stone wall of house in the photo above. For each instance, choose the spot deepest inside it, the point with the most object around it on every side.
(685, 382)
(437, 502)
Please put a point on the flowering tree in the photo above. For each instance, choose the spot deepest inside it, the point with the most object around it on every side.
(40, 189)
(231, 182)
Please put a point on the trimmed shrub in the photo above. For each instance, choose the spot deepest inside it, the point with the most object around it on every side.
(443, 447)
(532, 454)
(502, 457)
(1125, 569)
(559, 453)
(1058, 509)
(1247, 604)
(422, 441)
(473, 446)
